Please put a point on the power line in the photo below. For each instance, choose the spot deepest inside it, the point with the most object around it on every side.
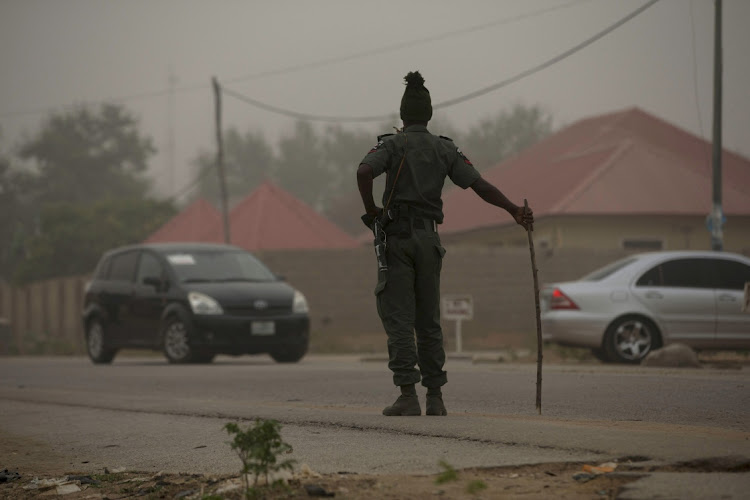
(314, 64)
(398, 46)
(311, 117)
(450, 102)
(190, 186)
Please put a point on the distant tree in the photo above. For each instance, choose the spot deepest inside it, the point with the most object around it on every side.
(248, 160)
(300, 165)
(339, 147)
(15, 215)
(89, 153)
(72, 236)
(80, 190)
(504, 134)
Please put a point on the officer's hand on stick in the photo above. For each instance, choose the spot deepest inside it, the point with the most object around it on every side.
(525, 217)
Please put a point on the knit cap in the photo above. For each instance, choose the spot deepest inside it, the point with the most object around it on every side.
(416, 105)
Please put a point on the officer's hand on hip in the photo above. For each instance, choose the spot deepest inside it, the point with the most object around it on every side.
(369, 218)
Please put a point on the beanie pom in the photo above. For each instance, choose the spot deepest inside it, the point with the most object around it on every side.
(414, 79)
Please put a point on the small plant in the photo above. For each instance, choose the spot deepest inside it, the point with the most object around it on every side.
(449, 473)
(259, 447)
(475, 486)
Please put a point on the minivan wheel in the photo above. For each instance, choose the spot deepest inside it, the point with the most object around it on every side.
(289, 353)
(96, 343)
(630, 338)
(176, 341)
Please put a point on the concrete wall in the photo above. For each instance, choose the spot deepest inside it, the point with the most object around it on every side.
(42, 316)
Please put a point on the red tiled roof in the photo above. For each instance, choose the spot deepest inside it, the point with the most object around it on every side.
(272, 219)
(625, 163)
(194, 223)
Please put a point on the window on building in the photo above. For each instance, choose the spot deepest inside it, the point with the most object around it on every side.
(643, 244)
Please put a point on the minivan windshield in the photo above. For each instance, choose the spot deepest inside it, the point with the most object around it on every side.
(608, 270)
(211, 266)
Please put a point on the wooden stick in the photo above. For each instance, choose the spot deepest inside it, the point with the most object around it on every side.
(539, 354)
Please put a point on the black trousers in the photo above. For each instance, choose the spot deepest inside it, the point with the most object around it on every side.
(408, 302)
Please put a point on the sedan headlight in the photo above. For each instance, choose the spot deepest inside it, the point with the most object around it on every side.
(201, 303)
(300, 303)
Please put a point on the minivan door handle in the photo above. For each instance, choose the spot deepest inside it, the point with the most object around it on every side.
(654, 295)
(725, 297)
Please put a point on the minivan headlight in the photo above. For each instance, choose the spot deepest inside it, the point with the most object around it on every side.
(300, 303)
(201, 303)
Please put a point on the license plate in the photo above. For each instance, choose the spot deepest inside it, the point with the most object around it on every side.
(263, 328)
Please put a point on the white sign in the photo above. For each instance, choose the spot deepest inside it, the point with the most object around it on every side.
(181, 259)
(457, 307)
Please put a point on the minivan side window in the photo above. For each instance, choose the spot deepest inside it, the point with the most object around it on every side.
(102, 269)
(148, 267)
(679, 273)
(123, 266)
(731, 275)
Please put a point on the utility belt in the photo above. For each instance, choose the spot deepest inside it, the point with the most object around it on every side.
(403, 221)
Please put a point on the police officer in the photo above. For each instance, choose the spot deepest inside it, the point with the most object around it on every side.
(416, 164)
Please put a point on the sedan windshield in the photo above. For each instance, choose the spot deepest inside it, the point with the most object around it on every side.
(211, 266)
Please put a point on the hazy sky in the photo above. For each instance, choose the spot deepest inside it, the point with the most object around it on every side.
(56, 53)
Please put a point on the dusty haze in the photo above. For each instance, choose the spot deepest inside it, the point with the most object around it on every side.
(54, 54)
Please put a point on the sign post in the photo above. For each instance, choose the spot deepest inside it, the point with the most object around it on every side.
(458, 308)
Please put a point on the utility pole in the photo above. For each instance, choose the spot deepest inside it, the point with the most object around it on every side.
(716, 218)
(220, 162)
(172, 80)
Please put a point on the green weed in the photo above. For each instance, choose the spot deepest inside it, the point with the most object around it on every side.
(449, 473)
(475, 486)
(259, 448)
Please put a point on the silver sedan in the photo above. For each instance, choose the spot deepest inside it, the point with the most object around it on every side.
(642, 302)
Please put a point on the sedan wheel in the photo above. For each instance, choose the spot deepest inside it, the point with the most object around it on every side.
(96, 345)
(177, 342)
(630, 339)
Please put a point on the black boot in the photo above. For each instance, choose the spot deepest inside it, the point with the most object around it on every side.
(407, 404)
(435, 404)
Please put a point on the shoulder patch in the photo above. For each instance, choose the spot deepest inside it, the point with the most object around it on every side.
(446, 138)
(380, 143)
(463, 156)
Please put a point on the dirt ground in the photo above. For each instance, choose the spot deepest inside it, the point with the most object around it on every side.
(30, 469)
(521, 482)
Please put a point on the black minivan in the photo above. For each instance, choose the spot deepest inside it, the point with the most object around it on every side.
(192, 301)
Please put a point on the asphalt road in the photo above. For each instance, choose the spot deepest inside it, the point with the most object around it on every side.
(144, 414)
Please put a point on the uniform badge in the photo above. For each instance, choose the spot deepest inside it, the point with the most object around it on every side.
(375, 147)
(380, 143)
(462, 155)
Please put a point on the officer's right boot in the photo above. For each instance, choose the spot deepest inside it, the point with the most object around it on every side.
(435, 404)
(407, 404)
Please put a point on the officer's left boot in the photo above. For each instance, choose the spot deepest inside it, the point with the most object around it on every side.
(407, 404)
(435, 404)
